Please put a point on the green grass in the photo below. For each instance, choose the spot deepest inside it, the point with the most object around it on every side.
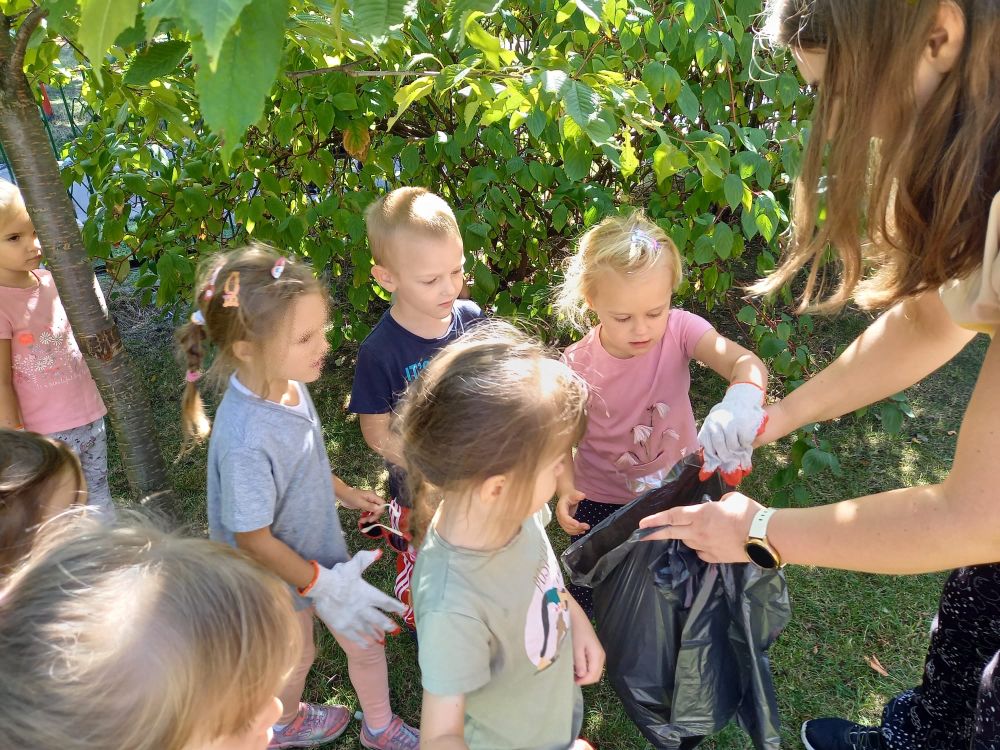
(839, 618)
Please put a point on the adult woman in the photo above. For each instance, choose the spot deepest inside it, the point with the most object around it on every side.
(919, 171)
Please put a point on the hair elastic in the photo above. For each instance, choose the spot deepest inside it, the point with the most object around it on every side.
(198, 318)
(641, 239)
(192, 376)
(278, 268)
(231, 290)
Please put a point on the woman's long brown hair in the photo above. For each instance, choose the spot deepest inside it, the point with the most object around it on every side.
(908, 201)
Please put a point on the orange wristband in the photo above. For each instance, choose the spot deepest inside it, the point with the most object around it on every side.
(306, 589)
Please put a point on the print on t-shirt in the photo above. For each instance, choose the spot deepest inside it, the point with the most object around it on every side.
(548, 614)
(51, 358)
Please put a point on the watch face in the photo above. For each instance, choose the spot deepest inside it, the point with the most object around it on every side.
(760, 555)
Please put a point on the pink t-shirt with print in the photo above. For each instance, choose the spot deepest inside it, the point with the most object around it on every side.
(53, 385)
(640, 419)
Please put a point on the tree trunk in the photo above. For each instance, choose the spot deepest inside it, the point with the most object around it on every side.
(34, 164)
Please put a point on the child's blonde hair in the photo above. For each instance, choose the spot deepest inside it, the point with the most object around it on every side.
(11, 201)
(492, 402)
(627, 244)
(242, 295)
(31, 467)
(406, 211)
(130, 638)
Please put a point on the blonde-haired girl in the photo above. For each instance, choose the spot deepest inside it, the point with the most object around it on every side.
(270, 489)
(636, 363)
(130, 638)
(904, 145)
(45, 385)
(503, 646)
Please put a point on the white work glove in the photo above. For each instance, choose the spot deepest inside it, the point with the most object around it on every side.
(727, 435)
(349, 605)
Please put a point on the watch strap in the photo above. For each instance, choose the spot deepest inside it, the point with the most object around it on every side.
(758, 527)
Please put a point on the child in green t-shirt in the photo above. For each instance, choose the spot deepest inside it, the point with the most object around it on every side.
(503, 645)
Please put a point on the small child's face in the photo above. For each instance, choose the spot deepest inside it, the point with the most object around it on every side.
(19, 248)
(300, 346)
(426, 274)
(633, 309)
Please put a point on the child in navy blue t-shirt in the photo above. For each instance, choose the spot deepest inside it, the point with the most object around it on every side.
(419, 259)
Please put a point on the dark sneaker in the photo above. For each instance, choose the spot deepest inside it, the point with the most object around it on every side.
(840, 734)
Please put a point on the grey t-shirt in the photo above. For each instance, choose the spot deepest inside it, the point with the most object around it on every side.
(495, 627)
(267, 466)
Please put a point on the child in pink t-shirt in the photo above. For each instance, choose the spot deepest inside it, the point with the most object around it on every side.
(45, 385)
(636, 363)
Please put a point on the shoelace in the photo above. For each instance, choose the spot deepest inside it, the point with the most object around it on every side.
(866, 738)
(403, 734)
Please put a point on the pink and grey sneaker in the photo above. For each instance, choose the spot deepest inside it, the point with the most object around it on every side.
(397, 736)
(312, 726)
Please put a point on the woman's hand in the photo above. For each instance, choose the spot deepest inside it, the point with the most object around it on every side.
(588, 653)
(716, 531)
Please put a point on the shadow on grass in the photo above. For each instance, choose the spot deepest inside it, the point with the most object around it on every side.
(840, 618)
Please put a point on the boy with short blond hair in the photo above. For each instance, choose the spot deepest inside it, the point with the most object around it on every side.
(419, 258)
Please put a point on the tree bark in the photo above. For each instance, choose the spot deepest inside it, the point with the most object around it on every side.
(51, 210)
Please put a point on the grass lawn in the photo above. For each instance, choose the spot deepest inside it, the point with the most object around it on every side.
(840, 619)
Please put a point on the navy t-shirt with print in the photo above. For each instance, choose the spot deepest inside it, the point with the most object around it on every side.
(390, 359)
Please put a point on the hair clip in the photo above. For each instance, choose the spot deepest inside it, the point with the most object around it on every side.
(642, 239)
(192, 376)
(231, 290)
(209, 291)
(278, 268)
(198, 318)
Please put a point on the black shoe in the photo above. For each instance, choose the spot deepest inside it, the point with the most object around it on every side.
(840, 734)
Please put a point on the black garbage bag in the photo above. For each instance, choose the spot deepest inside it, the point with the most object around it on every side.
(686, 641)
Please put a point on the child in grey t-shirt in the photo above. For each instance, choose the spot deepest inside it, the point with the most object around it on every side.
(503, 645)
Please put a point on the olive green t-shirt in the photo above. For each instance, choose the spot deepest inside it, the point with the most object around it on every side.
(495, 627)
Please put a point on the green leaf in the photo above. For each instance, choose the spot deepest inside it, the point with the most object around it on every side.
(668, 160)
(457, 14)
(373, 19)
(592, 8)
(747, 315)
(695, 12)
(484, 41)
(232, 102)
(537, 122)
(771, 346)
(345, 101)
(101, 21)
(733, 187)
(559, 217)
(214, 18)
(153, 13)
(723, 241)
(629, 161)
(688, 103)
(578, 160)
(581, 102)
(408, 94)
(891, 416)
(155, 61)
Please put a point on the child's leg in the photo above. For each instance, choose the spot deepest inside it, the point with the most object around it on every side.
(399, 520)
(291, 693)
(90, 443)
(590, 513)
(369, 675)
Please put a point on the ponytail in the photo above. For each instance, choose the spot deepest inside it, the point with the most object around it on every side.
(191, 341)
(425, 504)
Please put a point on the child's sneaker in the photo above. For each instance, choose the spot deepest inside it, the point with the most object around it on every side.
(840, 734)
(397, 736)
(312, 726)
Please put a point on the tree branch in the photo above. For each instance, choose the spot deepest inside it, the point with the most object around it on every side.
(350, 71)
(24, 32)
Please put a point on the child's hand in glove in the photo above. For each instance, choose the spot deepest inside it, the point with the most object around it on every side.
(729, 430)
(351, 606)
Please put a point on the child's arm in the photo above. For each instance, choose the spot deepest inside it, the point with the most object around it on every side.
(569, 499)
(10, 411)
(276, 556)
(364, 500)
(588, 653)
(728, 432)
(375, 428)
(442, 722)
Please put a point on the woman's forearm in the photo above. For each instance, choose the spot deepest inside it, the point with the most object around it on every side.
(905, 344)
